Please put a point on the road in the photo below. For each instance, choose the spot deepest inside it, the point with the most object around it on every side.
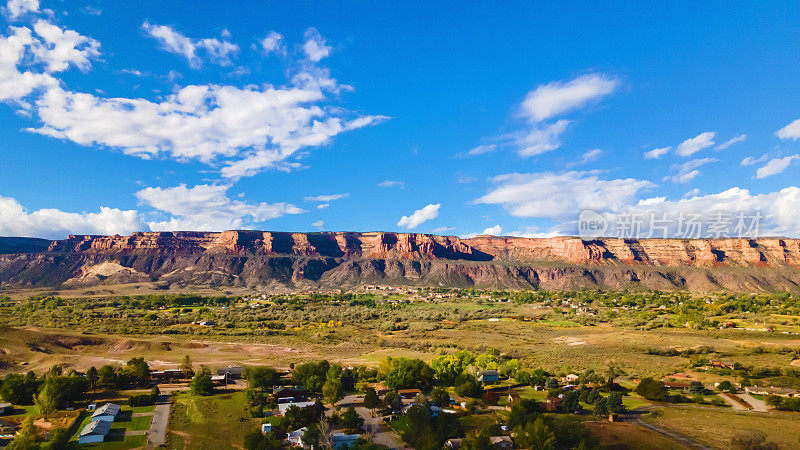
(734, 404)
(382, 434)
(635, 415)
(158, 427)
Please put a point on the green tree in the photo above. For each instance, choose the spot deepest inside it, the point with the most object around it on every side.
(371, 399)
(652, 389)
(263, 378)
(440, 397)
(614, 403)
(201, 383)
(552, 383)
(92, 378)
(186, 366)
(332, 391)
(47, 398)
(255, 440)
(535, 435)
(107, 377)
(351, 420)
(59, 440)
(26, 438)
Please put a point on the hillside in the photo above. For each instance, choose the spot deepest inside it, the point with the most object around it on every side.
(343, 259)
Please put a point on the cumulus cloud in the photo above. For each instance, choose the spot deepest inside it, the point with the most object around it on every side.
(688, 171)
(323, 205)
(30, 56)
(559, 97)
(560, 196)
(207, 207)
(657, 153)
(273, 43)
(314, 46)
(16, 220)
(791, 131)
(194, 50)
(419, 216)
(318, 224)
(775, 166)
(490, 231)
(697, 143)
(327, 198)
(541, 139)
(17, 8)
(725, 145)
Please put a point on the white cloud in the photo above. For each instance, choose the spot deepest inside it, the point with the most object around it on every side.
(420, 216)
(391, 183)
(314, 47)
(779, 211)
(542, 139)
(692, 193)
(750, 161)
(559, 97)
(791, 131)
(215, 50)
(687, 171)
(482, 149)
(15, 220)
(560, 196)
(318, 224)
(725, 145)
(16, 8)
(493, 231)
(590, 156)
(532, 231)
(775, 166)
(443, 229)
(697, 143)
(64, 48)
(657, 153)
(208, 208)
(327, 198)
(323, 205)
(273, 43)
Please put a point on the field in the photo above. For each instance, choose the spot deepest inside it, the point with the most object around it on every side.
(715, 427)
(213, 422)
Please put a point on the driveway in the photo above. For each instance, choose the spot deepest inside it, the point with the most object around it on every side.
(758, 405)
(158, 427)
(381, 432)
(734, 404)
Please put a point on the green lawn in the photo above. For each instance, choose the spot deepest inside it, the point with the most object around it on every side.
(212, 422)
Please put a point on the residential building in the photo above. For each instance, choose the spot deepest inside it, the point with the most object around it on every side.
(96, 431)
(106, 413)
(283, 407)
(502, 442)
(489, 376)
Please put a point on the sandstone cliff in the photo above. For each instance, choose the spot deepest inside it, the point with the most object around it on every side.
(263, 258)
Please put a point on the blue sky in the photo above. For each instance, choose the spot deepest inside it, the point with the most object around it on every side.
(437, 117)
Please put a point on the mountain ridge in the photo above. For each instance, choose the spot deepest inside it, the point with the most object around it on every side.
(337, 259)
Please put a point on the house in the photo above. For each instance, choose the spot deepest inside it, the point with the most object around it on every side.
(676, 385)
(220, 380)
(206, 323)
(723, 364)
(489, 376)
(4, 407)
(408, 394)
(380, 388)
(283, 407)
(91, 407)
(571, 378)
(234, 373)
(341, 440)
(284, 394)
(266, 428)
(504, 442)
(169, 374)
(94, 432)
(783, 392)
(296, 437)
(106, 413)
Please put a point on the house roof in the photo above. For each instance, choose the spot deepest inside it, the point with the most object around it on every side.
(5, 405)
(494, 440)
(285, 406)
(97, 427)
(109, 408)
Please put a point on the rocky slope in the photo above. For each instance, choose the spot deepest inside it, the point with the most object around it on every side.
(307, 260)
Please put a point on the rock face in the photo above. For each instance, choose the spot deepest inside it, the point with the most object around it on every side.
(264, 258)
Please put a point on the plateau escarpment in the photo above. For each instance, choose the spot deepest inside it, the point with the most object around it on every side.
(343, 259)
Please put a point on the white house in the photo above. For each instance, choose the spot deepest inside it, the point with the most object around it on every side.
(266, 428)
(341, 440)
(296, 436)
(106, 413)
(283, 407)
(94, 432)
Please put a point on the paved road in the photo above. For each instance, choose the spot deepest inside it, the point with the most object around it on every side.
(158, 427)
(382, 434)
(758, 405)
